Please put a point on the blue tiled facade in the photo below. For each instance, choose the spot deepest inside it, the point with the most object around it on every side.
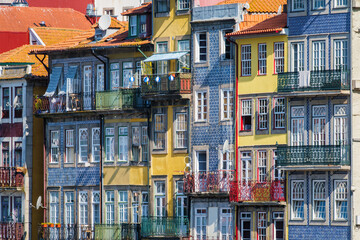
(318, 232)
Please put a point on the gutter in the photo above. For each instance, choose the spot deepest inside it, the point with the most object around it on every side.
(107, 68)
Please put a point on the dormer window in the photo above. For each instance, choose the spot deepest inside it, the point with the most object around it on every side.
(133, 25)
(142, 23)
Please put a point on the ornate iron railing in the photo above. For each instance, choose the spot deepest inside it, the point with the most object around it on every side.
(175, 83)
(11, 177)
(119, 99)
(208, 182)
(12, 230)
(315, 81)
(313, 155)
(123, 231)
(165, 227)
(63, 103)
(255, 191)
(59, 232)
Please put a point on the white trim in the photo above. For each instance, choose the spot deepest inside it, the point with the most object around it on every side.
(36, 36)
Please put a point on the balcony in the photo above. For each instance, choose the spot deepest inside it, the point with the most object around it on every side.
(73, 102)
(118, 231)
(11, 177)
(165, 227)
(121, 99)
(324, 80)
(166, 85)
(208, 182)
(11, 230)
(257, 192)
(58, 231)
(327, 155)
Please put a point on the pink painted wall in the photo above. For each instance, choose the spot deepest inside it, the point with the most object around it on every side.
(203, 3)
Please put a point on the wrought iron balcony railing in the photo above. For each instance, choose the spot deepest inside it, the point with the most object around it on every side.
(12, 230)
(255, 191)
(314, 81)
(313, 155)
(120, 99)
(168, 84)
(11, 177)
(208, 182)
(59, 231)
(165, 227)
(127, 231)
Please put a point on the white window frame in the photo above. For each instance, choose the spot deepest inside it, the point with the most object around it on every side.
(226, 48)
(297, 127)
(123, 207)
(340, 3)
(246, 111)
(127, 73)
(279, 113)
(160, 198)
(227, 104)
(262, 59)
(340, 124)
(69, 146)
(318, 4)
(54, 146)
(341, 197)
(341, 58)
(109, 207)
(133, 25)
(159, 131)
(297, 57)
(183, 5)
(181, 132)
(261, 225)
(298, 5)
(263, 113)
(318, 55)
(201, 103)
(245, 60)
(246, 160)
(123, 144)
(278, 216)
(262, 165)
(144, 144)
(135, 203)
(184, 64)
(115, 76)
(298, 197)
(279, 57)
(245, 217)
(54, 207)
(83, 208)
(226, 223)
(144, 204)
(95, 145)
(319, 199)
(109, 144)
(95, 200)
(100, 77)
(200, 55)
(69, 207)
(83, 147)
(319, 125)
(200, 223)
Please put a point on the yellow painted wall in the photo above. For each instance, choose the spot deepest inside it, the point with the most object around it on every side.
(169, 164)
(134, 175)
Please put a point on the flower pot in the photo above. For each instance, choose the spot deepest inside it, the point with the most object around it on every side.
(51, 225)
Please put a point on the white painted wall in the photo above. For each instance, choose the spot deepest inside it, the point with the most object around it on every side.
(118, 6)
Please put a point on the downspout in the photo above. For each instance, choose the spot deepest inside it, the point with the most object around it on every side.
(45, 175)
(107, 68)
(149, 160)
(352, 217)
(101, 166)
(236, 122)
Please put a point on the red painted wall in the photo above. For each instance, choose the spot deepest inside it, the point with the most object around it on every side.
(11, 40)
(79, 5)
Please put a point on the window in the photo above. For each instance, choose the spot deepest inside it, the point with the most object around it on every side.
(297, 126)
(18, 155)
(100, 77)
(160, 131)
(162, 47)
(341, 54)
(279, 113)
(246, 115)
(201, 106)
(145, 204)
(279, 61)
(133, 25)
(226, 46)
(96, 207)
(297, 57)
(201, 165)
(18, 102)
(142, 23)
(297, 199)
(341, 197)
(226, 224)
(261, 228)
(54, 207)
(160, 199)
(123, 144)
(262, 166)
(87, 97)
(201, 47)
(181, 200)
(135, 143)
(226, 162)
(184, 61)
(227, 104)
(69, 208)
(123, 206)
(109, 207)
(115, 76)
(318, 55)
(162, 6)
(340, 124)
(109, 144)
(183, 4)
(161, 66)
(319, 115)
(318, 4)
(55, 153)
(263, 114)
(5, 154)
(145, 144)
(279, 175)
(262, 59)
(95, 153)
(245, 60)
(278, 221)
(319, 197)
(181, 130)
(135, 207)
(138, 74)
(109, 12)
(246, 166)
(127, 74)
(6, 103)
(69, 145)
(341, 3)
(245, 225)
(83, 145)
(200, 223)
(298, 5)
(83, 208)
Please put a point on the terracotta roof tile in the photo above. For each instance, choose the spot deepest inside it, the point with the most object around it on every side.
(19, 19)
(52, 36)
(21, 54)
(259, 6)
(114, 24)
(273, 24)
(253, 19)
(144, 8)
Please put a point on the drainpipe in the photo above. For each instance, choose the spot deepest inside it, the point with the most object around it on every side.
(101, 166)
(149, 160)
(107, 68)
(236, 122)
(352, 200)
(45, 175)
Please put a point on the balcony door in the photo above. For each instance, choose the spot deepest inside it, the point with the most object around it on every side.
(278, 221)
(5, 209)
(200, 171)
(87, 87)
(245, 226)
(297, 126)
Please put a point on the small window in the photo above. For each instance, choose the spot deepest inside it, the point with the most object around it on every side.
(18, 102)
(262, 158)
(341, 200)
(18, 155)
(183, 4)
(69, 145)
(279, 113)
(142, 23)
(201, 47)
(297, 199)
(227, 104)
(279, 57)
(181, 130)
(144, 144)
(263, 122)
(54, 207)
(83, 145)
(100, 77)
(5, 103)
(262, 59)
(246, 114)
(159, 132)
(262, 225)
(318, 4)
(145, 204)
(341, 3)
(319, 198)
(135, 143)
(162, 6)
(245, 60)
(123, 144)
(226, 46)
(184, 61)
(55, 144)
(298, 5)
(133, 25)
(109, 12)
(95, 145)
(109, 144)
(5, 149)
(115, 76)
(201, 106)
(340, 125)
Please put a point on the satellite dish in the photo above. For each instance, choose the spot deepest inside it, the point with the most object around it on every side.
(38, 203)
(104, 22)
(17, 102)
(246, 5)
